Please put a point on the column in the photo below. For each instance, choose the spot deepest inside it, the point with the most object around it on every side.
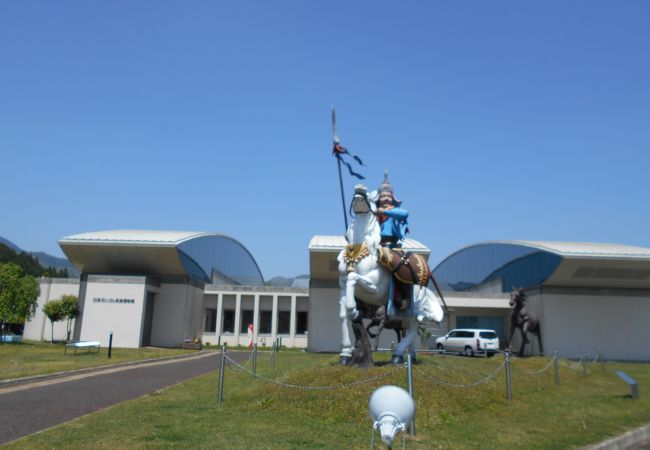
(237, 317)
(256, 317)
(292, 326)
(217, 331)
(274, 318)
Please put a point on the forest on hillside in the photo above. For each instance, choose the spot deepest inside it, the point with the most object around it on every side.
(29, 264)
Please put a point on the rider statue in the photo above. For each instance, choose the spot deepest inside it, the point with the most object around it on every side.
(393, 222)
(391, 217)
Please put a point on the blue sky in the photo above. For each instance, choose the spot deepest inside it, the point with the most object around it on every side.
(496, 120)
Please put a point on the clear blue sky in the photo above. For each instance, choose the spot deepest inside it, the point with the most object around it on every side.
(496, 120)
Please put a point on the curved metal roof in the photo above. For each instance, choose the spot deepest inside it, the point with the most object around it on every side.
(500, 265)
(324, 243)
(208, 257)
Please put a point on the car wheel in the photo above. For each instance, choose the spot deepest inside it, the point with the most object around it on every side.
(440, 347)
(468, 351)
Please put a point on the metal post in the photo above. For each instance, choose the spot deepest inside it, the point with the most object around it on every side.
(273, 357)
(392, 345)
(409, 372)
(221, 372)
(584, 362)
(600, 359)
(557, 368)
(110, 344)
(254, 360)
(508, 378)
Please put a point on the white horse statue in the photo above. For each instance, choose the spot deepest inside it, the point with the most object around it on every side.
(361, 276)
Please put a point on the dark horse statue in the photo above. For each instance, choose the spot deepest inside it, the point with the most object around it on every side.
(381, 321)
(521, 317)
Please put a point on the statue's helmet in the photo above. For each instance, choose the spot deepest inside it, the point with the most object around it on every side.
(387, 187)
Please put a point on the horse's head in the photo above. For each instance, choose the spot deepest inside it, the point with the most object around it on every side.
(517, 297)
(363, 202)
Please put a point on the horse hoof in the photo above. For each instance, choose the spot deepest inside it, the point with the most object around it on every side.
(346, 360)
(397, 359)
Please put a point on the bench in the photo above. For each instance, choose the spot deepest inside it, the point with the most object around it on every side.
(634, 389)
(82, 344)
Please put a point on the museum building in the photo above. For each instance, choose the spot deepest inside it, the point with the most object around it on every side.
(588, 297)
(163, 288)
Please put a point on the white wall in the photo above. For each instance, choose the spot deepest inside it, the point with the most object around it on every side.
(169, 316)
(616, 324)
(105, 310)
(324, 321)
(39, 327)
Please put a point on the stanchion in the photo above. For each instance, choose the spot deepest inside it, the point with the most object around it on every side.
(557, 368)
(254, 360)
(221, 372)
(508, 378)
(599, 358)
(409, 374)
(273, 357)
(110, 345)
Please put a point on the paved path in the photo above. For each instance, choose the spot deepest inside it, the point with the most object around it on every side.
(38, 405)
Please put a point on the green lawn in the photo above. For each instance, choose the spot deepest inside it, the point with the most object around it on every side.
(38, 358)
(260, 414)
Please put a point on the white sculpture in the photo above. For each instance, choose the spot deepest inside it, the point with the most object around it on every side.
(361, 276)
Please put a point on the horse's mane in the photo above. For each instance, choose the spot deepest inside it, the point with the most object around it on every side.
(519, 293)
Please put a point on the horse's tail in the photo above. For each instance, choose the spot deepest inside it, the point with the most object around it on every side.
(439, 291)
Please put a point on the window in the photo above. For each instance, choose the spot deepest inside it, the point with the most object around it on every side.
(246, 318)
(210, 320)
(301, 322)
(284, 322)
(265, 322)
(228, 321)
(488, 335)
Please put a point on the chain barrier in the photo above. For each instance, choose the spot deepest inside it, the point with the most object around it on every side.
(267, 355)
(575, 365)
(313, 388)
(538, 372)
(447, 383)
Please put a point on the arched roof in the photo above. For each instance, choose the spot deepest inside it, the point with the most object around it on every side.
(201, 255)
(498, 266)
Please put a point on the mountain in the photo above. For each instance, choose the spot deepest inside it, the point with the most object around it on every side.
(301, 281)
(10, 244)
(45, 259)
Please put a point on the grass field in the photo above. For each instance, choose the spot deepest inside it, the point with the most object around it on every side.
(272, 412)
(39, 358)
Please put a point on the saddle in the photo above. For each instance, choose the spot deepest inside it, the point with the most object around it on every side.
(408, 269)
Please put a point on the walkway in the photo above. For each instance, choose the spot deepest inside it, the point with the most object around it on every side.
(38, 405)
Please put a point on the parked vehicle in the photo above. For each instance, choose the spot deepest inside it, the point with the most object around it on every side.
(10, 337)
(469, 341)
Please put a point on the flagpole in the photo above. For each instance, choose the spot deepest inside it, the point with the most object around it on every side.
(345, 214)
(338, 160)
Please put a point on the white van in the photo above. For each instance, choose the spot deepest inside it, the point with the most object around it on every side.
(469, 341)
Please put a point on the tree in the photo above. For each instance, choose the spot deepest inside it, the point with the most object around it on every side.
(54, 311)
(69, 310)
(18, 296)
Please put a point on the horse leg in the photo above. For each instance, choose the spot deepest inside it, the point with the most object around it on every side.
(382, 324)
(539, 340)
(346, 343)
(524, 340)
